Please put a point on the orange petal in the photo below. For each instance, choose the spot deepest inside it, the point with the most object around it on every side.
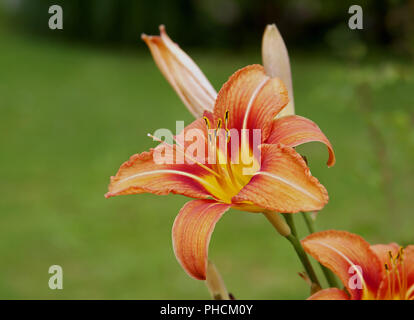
(182, 73)
(191, 234)
(283, 184)
(350, 257)
(141, 174)
(329, 294)
(409, 270)
(252, 98)
(276, 62)
(295, 130)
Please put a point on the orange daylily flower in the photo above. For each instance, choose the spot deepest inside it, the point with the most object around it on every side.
(384, 271)
(281, 180)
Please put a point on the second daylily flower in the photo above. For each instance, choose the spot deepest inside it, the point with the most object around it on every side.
(281, 181)
(384, 272)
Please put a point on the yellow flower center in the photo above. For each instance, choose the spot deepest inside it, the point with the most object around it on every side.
(232, 172)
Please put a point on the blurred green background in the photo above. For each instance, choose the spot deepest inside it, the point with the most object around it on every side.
(76, 103)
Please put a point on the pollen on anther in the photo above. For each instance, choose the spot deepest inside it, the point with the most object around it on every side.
(226, 117)
(207, 122)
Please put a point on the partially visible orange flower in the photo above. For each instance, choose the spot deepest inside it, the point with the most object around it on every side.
(281, 181)
(382, 271)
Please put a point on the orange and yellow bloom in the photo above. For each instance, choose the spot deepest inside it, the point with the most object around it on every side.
(382, 271)
(277, 179)
(282, 181)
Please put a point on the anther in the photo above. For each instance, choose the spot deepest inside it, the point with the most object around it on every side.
(401, 252)
(207, 122)
(208, 128)
(226, 118)
(226, 122)
(397, 258)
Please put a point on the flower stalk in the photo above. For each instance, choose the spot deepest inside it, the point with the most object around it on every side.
(278, 223)
(215, 283)
(287, 229)
(293, 239)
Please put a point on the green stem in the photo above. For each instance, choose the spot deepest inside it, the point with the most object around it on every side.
(330, 277)
(215, 283)
(290, 222)
(309, 222)
(293, 239)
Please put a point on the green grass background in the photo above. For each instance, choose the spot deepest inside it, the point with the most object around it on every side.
(71, 114)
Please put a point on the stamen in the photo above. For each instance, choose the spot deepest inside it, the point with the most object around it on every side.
(401, 252)
(228, 179)
(226, 121)
(207, 121)
(389, 290)
(229, 171)
(400, 284)
(403, 273)
(218, 129)
(392, 279)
